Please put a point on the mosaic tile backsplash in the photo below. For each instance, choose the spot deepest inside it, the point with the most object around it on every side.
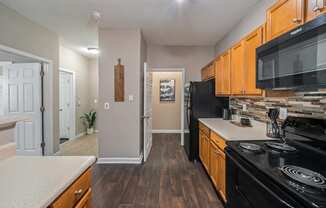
(311, 105)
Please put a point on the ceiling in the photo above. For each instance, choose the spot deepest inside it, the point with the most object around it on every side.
(164, 22)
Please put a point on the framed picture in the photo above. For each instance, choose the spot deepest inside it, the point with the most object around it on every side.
(167, 90)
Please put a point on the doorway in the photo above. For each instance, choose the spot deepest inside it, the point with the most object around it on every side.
(168, 101)
(67, 105)
(24, 79)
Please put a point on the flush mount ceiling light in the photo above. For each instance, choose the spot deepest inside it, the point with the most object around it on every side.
(180, 1)
(93, 50)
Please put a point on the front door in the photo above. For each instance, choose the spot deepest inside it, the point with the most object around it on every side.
(22, 97)
(66, 104)
(147, 118)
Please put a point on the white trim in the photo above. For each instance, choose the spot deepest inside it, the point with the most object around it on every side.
(73, 131)
(120, 160)
(183, 71)
(186, 131)
(166, 131)
(48, 90)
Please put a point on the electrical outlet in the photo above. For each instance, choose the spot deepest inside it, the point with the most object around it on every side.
(131, 98)
(283, 113)
(106, 106)
(244, 107)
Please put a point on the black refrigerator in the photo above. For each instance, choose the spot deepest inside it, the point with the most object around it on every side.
(201, 103)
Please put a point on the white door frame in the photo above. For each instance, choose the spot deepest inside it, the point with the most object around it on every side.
(48, 90)
(183, 81)
(73, 99)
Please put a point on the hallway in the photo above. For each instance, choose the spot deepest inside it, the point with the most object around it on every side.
(168, 180)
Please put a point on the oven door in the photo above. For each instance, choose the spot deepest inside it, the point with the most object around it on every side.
(245, 190)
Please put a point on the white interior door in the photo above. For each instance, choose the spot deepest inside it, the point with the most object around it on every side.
(66, 107)
(147, 118)
(22, 93)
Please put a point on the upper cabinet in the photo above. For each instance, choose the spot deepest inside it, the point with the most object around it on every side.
(222, 74)
(284, 16)
(251, 42)
(218, 76)
(208, 72)
(313, 8)
(237, 69)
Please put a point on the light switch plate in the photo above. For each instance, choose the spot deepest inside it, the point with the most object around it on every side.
(244, 107)
(106, 106)
(283, 113)
(130, 98)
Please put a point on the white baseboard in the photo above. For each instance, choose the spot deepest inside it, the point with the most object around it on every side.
(120, 160)
(166, 131)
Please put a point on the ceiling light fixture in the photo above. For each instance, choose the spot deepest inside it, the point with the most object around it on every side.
(180, 1)
(93, 50)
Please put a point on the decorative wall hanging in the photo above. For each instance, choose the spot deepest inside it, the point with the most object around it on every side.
(119, 87)
(167, 90)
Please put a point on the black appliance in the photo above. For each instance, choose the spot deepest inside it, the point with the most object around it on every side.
(295, 60)
(289, 174)
(202, 104)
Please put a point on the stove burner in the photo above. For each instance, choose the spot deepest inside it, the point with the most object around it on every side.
(305, 176)
(250, 146)
(280, 146)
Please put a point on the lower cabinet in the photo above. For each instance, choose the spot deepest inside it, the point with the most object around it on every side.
(212, 156)
(78, 195)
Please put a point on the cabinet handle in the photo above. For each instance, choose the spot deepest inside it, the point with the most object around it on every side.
(78, 192)
(296, 20)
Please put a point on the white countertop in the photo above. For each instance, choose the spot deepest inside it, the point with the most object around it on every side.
(10, 121)
(231, 132)
(35, 182)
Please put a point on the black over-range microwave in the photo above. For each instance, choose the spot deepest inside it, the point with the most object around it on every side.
(295, 60)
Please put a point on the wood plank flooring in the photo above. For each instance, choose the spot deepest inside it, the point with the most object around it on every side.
(166, 180)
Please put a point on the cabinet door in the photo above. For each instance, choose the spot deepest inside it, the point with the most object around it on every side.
(225, 63)
(214, 165)
(313, 8)
(206, 147)
(218, 76)
(221, 174)
(251, 42)
(237, 69)
(284, 16)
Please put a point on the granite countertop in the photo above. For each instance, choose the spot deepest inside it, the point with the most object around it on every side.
(35, 181)
(231, 132)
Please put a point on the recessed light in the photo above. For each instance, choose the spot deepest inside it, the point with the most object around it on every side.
(93, 50)
(180, 1)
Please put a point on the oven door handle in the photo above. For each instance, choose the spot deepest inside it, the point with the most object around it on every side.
(259, 183)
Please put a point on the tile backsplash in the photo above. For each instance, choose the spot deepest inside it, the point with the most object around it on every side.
(312, 105)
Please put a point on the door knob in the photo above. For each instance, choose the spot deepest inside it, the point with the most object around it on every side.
(145, 117)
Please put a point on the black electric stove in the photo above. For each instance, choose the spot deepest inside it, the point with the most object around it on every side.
(289, 173)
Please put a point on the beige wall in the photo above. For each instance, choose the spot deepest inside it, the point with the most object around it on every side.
(85, 72)
(22, 34)
(192, 58)
(93, 82)
(166, 115)
(120, 126)
(255, 17)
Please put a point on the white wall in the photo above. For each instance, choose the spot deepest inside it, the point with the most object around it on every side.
(22, 34)
(120, 126)
(93, 82)
(192, 58)
(255, 17)
(85, 79)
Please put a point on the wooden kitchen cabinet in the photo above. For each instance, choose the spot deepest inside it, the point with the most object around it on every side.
(226, 76)
(283, 16)
(251, 42)
(218, 76)
(204, 143)
(237, 68)
(313, 8)
(78, 195)
(208, 72)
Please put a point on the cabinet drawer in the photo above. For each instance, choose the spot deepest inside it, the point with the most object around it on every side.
(218, 140)
(85, 202)
(75, 192)
(204, 129)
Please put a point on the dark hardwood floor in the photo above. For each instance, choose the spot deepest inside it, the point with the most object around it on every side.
(166, 180)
